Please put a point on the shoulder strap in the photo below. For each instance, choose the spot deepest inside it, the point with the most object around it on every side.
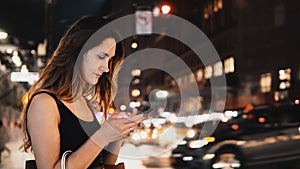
(47, 92)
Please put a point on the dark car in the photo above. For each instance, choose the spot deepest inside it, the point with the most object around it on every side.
(264, 135)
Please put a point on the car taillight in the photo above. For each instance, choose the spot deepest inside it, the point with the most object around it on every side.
(235, 127)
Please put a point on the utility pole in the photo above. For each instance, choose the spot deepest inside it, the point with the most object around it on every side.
(48, 34)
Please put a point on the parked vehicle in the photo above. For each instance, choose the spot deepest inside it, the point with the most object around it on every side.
(264, 135)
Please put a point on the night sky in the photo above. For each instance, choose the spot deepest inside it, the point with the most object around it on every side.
(25, 19)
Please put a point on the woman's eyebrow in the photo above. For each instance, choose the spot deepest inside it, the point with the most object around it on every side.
(104, 53)
(107, 55)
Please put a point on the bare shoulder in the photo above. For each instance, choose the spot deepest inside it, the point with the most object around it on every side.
(43, 98)
(42, 101)
(43, 106)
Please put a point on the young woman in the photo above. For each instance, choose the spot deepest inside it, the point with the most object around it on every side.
(59, 115)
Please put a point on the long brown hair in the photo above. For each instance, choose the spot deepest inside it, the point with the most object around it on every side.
(62, 76)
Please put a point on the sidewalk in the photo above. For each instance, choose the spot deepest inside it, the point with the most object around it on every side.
(16, 159)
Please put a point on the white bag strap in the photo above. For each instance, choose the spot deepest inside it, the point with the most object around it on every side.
(63, 159)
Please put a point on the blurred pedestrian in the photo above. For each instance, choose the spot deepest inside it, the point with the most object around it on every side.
(4, 138)
(59, 116)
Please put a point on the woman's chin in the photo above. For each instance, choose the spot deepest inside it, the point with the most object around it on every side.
(96, 81)
(92, 81)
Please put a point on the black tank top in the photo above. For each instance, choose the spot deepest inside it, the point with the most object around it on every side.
(74, 131)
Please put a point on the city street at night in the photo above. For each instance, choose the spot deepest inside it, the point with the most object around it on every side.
(16, 161)
(153, 84)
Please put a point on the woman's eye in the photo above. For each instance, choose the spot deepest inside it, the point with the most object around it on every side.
(101, 56)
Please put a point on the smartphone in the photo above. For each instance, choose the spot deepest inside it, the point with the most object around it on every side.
(145, 111)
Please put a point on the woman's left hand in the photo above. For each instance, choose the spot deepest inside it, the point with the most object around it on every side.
(135, 120)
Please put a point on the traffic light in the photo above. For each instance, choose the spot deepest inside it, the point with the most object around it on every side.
(166, 8)
(111, 111)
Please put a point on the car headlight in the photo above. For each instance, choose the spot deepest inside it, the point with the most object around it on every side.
(197, 143)
(200, 143)
(177, 155)
(191, 133)
(182, 142)
(208, 156)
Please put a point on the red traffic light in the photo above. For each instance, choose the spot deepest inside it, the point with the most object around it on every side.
(166, 8)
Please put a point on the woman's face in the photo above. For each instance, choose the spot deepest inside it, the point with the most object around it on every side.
(95, 60)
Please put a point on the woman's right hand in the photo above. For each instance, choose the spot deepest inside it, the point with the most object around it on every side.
(116, 128)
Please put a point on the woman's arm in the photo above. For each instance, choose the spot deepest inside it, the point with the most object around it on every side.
(43, 120)
(111, 152)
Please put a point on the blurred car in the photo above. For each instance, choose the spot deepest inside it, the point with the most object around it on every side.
(264, 135)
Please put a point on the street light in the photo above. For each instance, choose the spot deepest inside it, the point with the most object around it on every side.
(134, 45)
(166, 8)
(3, 35)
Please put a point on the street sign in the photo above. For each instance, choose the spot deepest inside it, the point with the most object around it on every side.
(30, 77)
(143, 21)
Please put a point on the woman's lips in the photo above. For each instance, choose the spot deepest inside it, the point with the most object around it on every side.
(98, 74)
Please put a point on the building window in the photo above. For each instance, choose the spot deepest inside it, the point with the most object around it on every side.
(285, 74)
(185, 80)
(200, 75)
(229, 65)
(285, 78)
(179, 81)
(191, 78)
(265, 82)
(218, 69)
(208, 72)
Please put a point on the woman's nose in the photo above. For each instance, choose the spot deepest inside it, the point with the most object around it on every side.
(104, 67)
